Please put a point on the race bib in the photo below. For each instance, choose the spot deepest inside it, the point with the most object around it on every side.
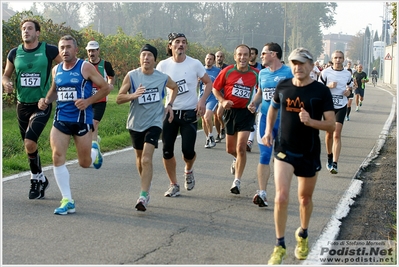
(338, 100)
(151, 95)
(268, 93)
(183, 88)
(94, 91)
(241, 91)
(30, 79)
(66, 94)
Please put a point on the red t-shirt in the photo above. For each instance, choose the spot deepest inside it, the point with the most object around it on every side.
(238, 86)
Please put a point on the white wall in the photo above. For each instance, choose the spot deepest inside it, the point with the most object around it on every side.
(390, 67)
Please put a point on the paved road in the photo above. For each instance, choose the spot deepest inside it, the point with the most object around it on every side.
(207, 225)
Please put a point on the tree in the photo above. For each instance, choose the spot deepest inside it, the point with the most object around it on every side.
(355, 48)
(394, 21)
(64, 12)
(49, 33)
(305, 21)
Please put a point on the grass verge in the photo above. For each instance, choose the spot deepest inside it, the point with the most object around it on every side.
(112, 130)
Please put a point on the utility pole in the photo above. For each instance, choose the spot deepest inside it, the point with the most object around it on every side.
(370, 45)
(384, 29)
(284, 38)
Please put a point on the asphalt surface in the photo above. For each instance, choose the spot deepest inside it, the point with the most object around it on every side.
(205, 226)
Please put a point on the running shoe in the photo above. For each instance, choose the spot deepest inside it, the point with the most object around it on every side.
(249, 145)
(35, 187)
(207, 145)
(222, 134)
(142, 203)
(233, 167)
(173, 191)
(99, 159)
(347, 118)
(260, 198)
(235, 188)
(329, 164)
(357, 108)
(44, 186)
(189, 180)
(66, 207)
(277, 256)
(218, 139)
(360, 103)
(301, 248)
(212, 142)
(334, 168)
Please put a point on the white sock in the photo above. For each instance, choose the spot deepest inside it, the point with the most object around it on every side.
(251, 135)
(40, 177)
(61, 175)
(93, 155)
(210, 134)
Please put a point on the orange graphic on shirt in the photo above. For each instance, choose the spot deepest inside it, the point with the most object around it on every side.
(294, 105)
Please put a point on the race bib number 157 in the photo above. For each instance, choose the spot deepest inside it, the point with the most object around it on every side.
(30, 79)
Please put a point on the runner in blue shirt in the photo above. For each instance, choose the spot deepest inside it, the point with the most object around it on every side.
(211, 102)
(268, 80)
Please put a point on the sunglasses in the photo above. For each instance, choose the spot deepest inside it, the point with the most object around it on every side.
(267, 52)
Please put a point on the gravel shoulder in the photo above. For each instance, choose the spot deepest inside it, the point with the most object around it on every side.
(373, 214)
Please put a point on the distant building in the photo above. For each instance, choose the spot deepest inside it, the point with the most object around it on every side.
(332, 42)
(378, 49)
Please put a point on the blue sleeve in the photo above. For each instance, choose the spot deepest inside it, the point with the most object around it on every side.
(274, 104)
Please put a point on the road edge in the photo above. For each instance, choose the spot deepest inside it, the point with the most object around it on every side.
(332, 228)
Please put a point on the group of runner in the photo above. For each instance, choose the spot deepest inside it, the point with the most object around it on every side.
(163, 98)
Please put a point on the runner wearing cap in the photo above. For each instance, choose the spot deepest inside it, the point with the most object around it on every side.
(306, 107)
(106, 70)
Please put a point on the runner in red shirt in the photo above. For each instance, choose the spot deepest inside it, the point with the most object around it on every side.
(239, 82)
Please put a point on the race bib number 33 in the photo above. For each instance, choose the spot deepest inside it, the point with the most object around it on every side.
(338, 100)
